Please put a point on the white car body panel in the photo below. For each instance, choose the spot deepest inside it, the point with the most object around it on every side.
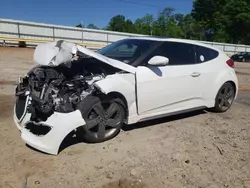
(61, 125)
(123, 84)
(168, 87)
(149, 92)
(215, 78)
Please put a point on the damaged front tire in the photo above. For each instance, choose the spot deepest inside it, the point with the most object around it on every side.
(104, 117)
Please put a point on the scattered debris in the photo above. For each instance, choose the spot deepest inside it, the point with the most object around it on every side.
(109, 176)
(187, 161)
(133, 172)
(25, 185)
(219, 149)
(125, 183)
(98, 167)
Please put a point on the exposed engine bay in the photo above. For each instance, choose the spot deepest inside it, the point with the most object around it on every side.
(61, 88)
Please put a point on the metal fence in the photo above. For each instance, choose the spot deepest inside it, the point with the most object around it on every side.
(12, 31)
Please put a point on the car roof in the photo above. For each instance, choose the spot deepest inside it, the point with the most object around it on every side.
(162, 39)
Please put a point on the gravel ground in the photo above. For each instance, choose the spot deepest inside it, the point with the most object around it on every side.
(196, 150)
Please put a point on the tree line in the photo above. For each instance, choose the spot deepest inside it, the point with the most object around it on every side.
(209, 20)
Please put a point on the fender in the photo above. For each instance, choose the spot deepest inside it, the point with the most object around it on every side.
(223, 77)
(121, 83)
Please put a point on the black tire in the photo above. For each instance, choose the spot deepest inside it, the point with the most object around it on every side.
(243, 60)
(101, 124)
(224, 98)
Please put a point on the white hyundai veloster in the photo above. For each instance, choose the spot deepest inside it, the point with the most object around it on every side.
(136, 79)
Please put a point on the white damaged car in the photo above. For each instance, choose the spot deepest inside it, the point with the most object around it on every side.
(128, 81)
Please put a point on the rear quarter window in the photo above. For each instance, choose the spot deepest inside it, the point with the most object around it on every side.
(205, 54)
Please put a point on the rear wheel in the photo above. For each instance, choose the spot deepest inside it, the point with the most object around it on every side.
(224, 98)
(104, 118)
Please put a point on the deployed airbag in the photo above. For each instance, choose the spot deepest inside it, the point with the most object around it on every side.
(54, 53)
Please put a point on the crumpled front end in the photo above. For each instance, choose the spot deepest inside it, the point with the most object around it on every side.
(48, 135)
(50, 98)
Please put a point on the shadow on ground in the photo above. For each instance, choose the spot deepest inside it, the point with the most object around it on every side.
(162, 120)
(124, 183)
(73, 137)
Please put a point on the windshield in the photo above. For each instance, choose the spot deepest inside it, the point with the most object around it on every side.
(127, 50)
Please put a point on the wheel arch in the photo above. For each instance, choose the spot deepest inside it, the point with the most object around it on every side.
(217, 107)
(225, 76)
(115, 94)
(120, 86)
(232, 82)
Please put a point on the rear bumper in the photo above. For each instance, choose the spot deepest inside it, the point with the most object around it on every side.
(61, 124)
(236, 81)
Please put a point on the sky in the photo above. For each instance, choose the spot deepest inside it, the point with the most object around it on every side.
(72, 12)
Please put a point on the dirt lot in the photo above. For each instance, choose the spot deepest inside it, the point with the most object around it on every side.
(196, 150)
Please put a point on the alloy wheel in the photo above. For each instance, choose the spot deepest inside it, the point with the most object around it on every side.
(226, 97)
(104, 119)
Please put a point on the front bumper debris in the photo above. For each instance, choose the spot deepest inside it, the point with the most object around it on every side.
(60, 125)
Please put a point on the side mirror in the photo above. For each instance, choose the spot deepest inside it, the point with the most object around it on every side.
(158, 61)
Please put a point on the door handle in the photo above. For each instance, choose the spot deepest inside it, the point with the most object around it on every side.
(195, 74)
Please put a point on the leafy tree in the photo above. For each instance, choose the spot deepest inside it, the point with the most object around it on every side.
(92, 26)
(223, 20)
(238, 20)
(117, 23)
(209, 14)
(188, 26)
(165, 17)
(129, 27)
(80, 25)
(211, 20)
(145, 25)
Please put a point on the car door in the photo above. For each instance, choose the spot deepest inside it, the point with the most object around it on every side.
(169, 88)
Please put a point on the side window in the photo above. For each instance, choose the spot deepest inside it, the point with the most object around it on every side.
(205, 54)
(177, 53)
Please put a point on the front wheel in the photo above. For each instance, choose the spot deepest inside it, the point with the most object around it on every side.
(224, 98)
(104, 118)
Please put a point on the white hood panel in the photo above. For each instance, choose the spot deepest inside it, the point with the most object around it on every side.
(56, 53)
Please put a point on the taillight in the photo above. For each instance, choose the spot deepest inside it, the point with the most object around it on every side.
(230, 63)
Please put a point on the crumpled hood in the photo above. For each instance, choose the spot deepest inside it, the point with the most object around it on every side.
(55, 53)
